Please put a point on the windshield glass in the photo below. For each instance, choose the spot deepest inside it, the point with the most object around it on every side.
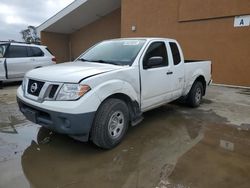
(3, 48)
(118, 52)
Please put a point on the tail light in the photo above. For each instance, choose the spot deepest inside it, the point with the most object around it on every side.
(54, 59)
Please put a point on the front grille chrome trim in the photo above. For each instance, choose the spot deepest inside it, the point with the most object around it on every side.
(44, 93)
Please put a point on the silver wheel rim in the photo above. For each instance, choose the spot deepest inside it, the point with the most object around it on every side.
(198, 95)
(116, 124)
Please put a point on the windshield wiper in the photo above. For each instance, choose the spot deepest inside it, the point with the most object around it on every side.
(98, 61)
(103, 61)
(82, 59)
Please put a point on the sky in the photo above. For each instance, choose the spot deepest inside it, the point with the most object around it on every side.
(16, 15)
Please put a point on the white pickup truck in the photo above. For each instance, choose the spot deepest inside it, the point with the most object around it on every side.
(109, 86)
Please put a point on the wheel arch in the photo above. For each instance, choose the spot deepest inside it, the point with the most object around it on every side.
(201, 79)
(133, 105)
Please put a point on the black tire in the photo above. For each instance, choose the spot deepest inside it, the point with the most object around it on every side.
(195, 95)
(105, 132)
(1, 84)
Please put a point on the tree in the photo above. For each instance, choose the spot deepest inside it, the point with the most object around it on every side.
(29, 35)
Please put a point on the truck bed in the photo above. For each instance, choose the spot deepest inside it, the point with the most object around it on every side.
(193, 68)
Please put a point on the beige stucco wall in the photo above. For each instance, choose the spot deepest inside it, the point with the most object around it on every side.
(107, 27)
(216, 39)
(58, 44)
(68, 47)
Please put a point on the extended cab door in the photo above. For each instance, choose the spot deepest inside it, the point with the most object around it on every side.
(18, 62)
(156, 75)
(178, 70)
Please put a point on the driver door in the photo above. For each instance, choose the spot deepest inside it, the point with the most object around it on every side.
(156, 81)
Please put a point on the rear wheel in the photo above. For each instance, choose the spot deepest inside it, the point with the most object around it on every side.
(110, 124)
(195, 95)
(1, 84)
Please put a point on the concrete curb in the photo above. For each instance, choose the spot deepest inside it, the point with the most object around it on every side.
(230, 86)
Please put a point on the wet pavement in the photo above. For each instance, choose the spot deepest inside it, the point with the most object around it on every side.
(174, 147)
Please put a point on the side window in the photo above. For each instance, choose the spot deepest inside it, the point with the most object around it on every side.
(35, 52)
(156, 49)
(16, 51)
(175, 53)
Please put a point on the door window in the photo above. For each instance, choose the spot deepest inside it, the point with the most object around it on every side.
(156, 49)
(17, 51)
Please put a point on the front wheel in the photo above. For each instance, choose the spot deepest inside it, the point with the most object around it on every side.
(110, 124)
(195, 95)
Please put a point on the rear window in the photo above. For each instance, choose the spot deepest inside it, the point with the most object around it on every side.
(17, 51)
(175, 53)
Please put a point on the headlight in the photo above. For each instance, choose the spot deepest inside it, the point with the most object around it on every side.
(24, 83)
(70, 92)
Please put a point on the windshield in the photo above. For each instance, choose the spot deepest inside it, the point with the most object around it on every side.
(3, 48)
(118, 52)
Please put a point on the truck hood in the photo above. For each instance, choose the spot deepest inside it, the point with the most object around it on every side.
(71, 72)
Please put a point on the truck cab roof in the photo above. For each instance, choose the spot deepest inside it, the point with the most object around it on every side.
(145, 38)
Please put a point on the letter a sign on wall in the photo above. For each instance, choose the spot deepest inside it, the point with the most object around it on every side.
(242, 21)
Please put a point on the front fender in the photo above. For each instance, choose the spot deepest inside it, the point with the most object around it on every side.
(112, 87)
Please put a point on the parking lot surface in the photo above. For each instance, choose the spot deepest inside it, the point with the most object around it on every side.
(174, 147)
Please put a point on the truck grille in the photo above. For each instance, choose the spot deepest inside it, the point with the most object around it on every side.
(40, 90)
(35, 87)
(53, 91)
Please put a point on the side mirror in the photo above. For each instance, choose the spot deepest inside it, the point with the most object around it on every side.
(154, 61)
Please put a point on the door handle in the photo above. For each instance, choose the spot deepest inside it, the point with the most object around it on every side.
(169, 72)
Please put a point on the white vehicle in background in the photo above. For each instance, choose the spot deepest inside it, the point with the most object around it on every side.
(109, 87)
(18, 58)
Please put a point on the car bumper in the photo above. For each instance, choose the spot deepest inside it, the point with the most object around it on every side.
(75, 125)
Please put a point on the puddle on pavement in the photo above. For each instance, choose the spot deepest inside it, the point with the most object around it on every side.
(11, 125)
(174, 146)
(168, 149)
(220, 159)
(15, 139)
(10, 116)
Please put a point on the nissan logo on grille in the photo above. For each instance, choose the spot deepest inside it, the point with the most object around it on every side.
(33, 87)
